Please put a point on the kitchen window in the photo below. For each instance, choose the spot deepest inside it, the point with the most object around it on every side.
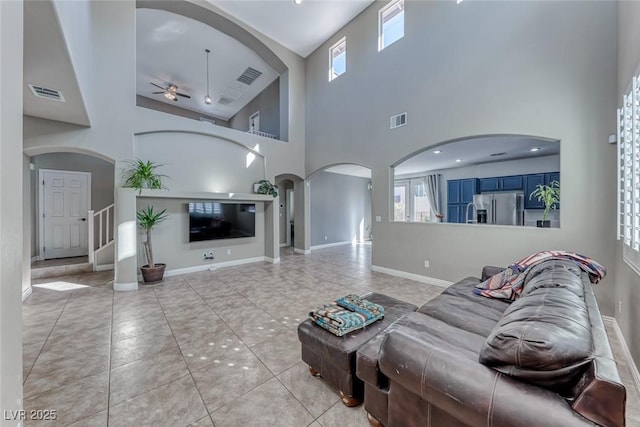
(390, 23)
(338, 59)
(628, 157)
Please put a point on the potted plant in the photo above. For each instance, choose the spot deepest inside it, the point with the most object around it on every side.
(147, 219)
(549, 195)
(264, 186)
(140, 175)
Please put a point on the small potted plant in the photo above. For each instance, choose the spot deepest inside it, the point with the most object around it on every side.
(549, 195)
(141, 175)
(147, 219)
(264, 186)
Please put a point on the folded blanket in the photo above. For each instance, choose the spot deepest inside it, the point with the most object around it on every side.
(508, 284)
(354, 303)
(347, 314)
(350, 322)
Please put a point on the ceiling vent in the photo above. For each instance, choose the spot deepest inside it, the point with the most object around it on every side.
(223, 100)
(44, 92)
(398, 120)
(249, 76)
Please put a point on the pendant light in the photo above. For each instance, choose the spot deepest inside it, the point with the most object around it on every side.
(207, 98)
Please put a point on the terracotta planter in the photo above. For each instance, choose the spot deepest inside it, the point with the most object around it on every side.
(543, 224)
(153, 274)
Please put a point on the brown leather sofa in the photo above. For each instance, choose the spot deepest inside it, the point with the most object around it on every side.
(466, 360)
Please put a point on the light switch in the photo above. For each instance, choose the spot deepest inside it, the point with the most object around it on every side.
(378, 218)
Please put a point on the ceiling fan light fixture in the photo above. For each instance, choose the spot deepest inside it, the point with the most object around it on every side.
(208, 100)
(169, 95)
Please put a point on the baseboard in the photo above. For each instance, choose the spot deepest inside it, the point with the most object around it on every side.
(27, 293)
(282, 245)
(272, 260)
(213, 266)
(131, 286)
(302, 251)
(417, 277)
(34, 259)
(103, 267)
(633, 368)
(329, 245)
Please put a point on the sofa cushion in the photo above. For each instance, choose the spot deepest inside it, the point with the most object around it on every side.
(543, 338)
(461, 308)
(554, 274)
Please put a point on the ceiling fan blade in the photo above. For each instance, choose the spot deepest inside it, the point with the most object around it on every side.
(183, 95)
(158, 86)
(155, 93)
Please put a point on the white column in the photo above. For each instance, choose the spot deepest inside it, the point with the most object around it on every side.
(11, 223)
(125, 235)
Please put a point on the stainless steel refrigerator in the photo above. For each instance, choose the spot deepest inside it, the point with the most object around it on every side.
(503, 208)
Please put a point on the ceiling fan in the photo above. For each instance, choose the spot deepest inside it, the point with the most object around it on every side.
(170, 92)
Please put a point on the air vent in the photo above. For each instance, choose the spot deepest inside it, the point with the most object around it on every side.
(225, 101)
(398, 120)
(504, 153)
(249, 76)
(44, 92)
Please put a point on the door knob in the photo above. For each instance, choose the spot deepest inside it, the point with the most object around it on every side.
(83, 219)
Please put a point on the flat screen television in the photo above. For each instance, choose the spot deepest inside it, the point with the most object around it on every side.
(217, 220)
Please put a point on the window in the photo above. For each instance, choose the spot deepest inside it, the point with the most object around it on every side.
(629, 174)
(338, 59)
(410, 201)
(390, 23)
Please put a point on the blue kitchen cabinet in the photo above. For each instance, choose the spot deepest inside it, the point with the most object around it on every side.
(459, 194)
(511, 183)
(530, 183)
(501, 183)
(489, 184)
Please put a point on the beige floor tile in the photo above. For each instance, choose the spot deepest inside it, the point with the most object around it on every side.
(277, 408)
(312, 392)
(280, 353)
(175, 404)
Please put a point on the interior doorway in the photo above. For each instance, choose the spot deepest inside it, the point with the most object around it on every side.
(65, 200)
(254, 122)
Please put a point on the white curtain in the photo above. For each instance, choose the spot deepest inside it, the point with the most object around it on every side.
(433, 193)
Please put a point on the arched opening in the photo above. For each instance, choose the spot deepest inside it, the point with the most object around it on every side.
(71, 211)
(488, 179)
(340, 206)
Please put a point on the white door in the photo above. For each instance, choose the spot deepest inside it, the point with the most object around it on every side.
(254, 122)
(64, 207)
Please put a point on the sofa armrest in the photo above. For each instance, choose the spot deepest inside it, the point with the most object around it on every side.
(467, 390)
(489, 270)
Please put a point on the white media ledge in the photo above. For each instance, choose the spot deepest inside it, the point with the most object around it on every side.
(164, 194)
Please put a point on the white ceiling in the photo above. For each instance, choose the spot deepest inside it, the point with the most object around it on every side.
(171, 49)
(351, 170)
(473, 151)
(300, 28)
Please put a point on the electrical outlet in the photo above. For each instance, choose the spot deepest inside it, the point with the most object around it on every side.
(619, 307)
(208, 255)
(378, 218)
(426, 264)
(228, 251)
(326, 238)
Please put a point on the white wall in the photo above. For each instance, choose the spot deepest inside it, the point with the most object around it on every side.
(477, 68)
(11, 203)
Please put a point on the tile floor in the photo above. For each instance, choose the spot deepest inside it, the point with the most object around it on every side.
(178, 353)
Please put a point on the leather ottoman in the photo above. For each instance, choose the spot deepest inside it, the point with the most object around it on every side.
(334, 358)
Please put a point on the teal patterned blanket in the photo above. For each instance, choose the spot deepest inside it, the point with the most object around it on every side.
(347, 314)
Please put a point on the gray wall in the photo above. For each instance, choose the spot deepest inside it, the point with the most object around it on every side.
(268, 103)
(627, 290)
(143, 101)
(476, 68)
(339, 203)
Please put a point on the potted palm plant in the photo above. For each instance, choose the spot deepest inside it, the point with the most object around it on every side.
(549, 195)
(141, 174)
(147, 219)
(264, 186)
